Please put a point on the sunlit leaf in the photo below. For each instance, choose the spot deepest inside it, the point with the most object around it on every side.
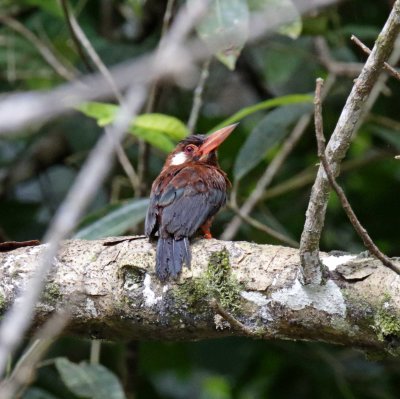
(116, 222)
(102, 112)
(270, 131)
(279, 16)
(89, 380)
(275, 102)
(167, 124)
(224, 29)
(159, 130)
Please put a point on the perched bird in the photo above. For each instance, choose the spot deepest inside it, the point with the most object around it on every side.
(188, 192)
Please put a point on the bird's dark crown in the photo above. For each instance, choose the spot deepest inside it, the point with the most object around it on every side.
(196, 139)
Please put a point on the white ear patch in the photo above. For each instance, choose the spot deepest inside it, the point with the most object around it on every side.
(179, 158)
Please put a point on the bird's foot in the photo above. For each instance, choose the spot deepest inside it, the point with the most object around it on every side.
(205, 228)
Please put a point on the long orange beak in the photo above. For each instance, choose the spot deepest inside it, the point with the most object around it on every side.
(215, 139)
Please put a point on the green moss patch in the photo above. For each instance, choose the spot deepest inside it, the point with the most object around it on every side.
(387, 322)
(217, 282)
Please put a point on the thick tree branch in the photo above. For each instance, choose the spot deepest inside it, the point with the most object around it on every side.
(111, 292)
(353, 111)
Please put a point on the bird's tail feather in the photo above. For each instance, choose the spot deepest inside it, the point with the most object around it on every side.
(171, 255)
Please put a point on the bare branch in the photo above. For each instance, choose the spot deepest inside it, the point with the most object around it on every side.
(68, 19)
(81, 37)
(264, 228)
(388, 68)
(307, 176)
(349, 69)
(361, 231)
(235, 323)
(82, 41)
(144, 148)
(352, 114)
(271, 171)
(44, 50)
(25, 369)
(197, 98)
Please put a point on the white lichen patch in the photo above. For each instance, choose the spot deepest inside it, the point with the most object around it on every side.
(260, 300)
(149, 295)
(255, 297)
(327, 298)
(332, 261)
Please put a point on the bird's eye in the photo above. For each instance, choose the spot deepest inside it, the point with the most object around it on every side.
(189, 149)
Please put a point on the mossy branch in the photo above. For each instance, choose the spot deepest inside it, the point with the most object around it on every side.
(111, 292)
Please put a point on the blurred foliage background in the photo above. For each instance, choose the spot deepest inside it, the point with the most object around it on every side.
(38, 166)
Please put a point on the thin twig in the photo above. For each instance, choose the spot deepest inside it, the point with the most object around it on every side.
(361, 231)
(82, 42)
(353, 113)
(271, 171)
(80, 36)
(44, 50)
(197, 97)
(264, 228)
(388, 68)
(144, 148)
(230, 319)
(165, 25)
(350, 69)
(24, 370)
(307, 176)
(79, 49)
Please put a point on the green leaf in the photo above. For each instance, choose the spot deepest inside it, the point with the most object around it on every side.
(159, 130)
(270, 131)
(169, 125)
(280, 16)
(89, 380)
(275, 102)
(102, 112)
(116, 222)
(224, 29)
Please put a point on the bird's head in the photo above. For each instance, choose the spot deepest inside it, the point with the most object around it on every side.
(199, 148)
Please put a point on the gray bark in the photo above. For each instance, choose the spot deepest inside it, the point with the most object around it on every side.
(111, 293)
